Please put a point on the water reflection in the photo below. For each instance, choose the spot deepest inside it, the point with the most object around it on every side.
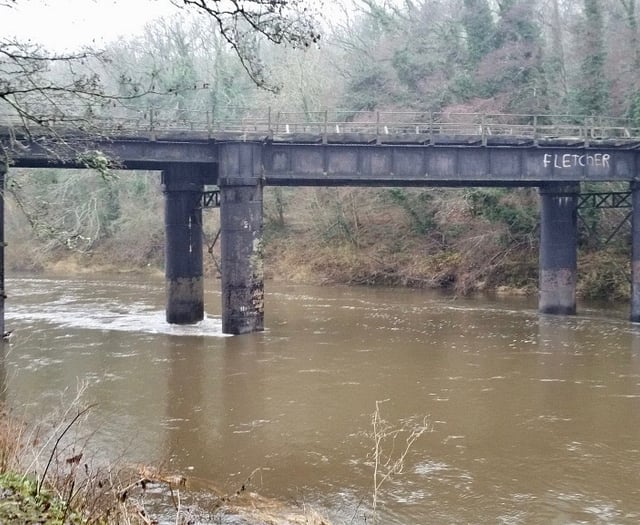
(215, 403)
(186, 416)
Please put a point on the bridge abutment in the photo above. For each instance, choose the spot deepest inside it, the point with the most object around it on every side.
(182, 187)
(241, 223)
(558, 248)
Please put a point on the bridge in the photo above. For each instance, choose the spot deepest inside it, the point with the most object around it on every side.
(240, 155)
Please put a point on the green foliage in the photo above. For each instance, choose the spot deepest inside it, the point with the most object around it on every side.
(417, 206)
(495, 206)
(366, 90)
(403, 57)
(604, 276)
(513, 71)
(634, 109)
(410, 66)
(517, 22)
(21, 502)
(592, 95)
(479, 28)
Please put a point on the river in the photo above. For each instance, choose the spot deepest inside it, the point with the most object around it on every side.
(532, 419)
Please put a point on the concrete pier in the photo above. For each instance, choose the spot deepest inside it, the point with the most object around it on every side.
(241, 226)
(635, 252)
(182, 186)
(558, 248)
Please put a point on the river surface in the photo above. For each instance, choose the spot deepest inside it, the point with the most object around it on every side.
(533, 419)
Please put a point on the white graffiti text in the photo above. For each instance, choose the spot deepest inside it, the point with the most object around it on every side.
(572, 160)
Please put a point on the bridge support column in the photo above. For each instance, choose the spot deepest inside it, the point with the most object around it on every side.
(558, 248)
(3, 174)
(635, 252)
(182, 187)
(241, 225)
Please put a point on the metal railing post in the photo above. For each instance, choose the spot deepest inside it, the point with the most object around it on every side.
(326, 123)
(586, 127)
(430, 127)
(586, 132)
(601, 127)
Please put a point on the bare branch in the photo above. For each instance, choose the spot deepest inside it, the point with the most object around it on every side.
(242, 22)
(42, 90)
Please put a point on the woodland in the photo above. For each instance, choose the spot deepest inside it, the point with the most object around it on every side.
(530, 57)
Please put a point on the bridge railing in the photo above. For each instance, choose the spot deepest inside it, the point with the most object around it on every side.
(141, 121)
(447, 123)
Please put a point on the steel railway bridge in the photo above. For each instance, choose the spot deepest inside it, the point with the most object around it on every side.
(240, 154)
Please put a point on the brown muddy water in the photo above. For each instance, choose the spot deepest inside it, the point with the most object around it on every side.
(534, 419)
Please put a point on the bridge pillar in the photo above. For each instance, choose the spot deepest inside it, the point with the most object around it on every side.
(241, 223)
(3, 174)
(182, 186)
(558, 248)
(635, 252)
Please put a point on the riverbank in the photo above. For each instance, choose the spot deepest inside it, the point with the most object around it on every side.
(46, 478)
(602, 275)
(24, 501)
(465, 241)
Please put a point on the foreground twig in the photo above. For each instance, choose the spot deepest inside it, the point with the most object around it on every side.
(55, 446)
(388, 463)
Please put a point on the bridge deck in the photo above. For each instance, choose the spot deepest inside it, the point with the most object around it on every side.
(369, 149)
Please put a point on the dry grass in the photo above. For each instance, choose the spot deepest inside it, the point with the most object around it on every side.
(12, 442)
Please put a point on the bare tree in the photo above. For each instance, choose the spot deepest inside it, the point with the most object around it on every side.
(39, 88)
(242, 22)
(629, 7)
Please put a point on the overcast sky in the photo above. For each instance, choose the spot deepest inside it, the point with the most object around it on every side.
(67, 25)
(64, 25)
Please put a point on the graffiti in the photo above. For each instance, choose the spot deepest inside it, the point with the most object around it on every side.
(572, 160)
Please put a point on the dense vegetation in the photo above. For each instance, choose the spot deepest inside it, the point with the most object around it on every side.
(578, 57)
